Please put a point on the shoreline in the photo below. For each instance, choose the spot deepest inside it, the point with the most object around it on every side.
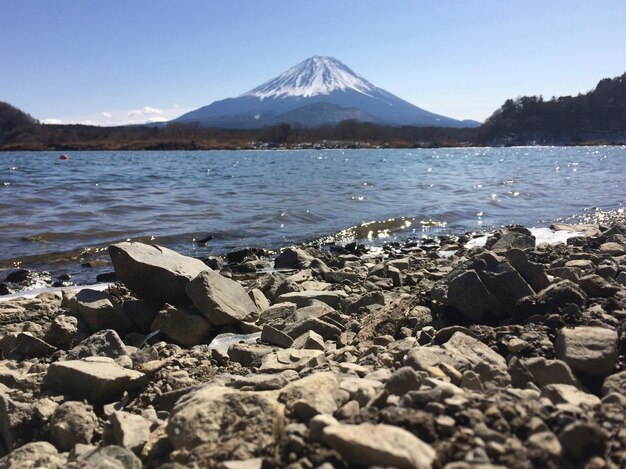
(510, 354)
(307, 146)
(44, 279)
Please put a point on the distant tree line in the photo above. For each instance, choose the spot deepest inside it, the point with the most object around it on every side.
(595, 117)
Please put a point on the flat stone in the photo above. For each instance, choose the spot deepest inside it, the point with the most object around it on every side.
(28, 345)
(183, 324)
(249, 355)
(302, 299)
(614, 249)
(277, 313)
(568, 394)
(588, 350)
(219, 299)
(292, 359)
(368, 300)
(104, 343)
(326, 330)
(154, 273)
(97, 379)
(379, 445)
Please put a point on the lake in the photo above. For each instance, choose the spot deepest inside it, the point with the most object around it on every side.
(57, 214)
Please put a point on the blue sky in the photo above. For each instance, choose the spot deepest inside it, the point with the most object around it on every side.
(111, 62)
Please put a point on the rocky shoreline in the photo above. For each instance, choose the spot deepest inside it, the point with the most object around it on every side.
(507, 355)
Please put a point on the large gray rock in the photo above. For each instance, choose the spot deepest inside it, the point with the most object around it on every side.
(105, 343)
(34, 456)
(379, 445)
(506, 284)
(100, 311)
(197, 421)
(221, 300)
(249, 355)
(532, 272)
(154, 273)
(72, 422)
(97, 379)
(468, 294)
(182, 324)
(588, 350)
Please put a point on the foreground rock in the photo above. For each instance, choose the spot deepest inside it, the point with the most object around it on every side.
(154, 273)
(589, 350)
(34, 456)
(379, 445)
(196, 426)
(97, 379)
(221, 300)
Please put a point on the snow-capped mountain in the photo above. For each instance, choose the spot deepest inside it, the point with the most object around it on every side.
(318, 91)
(314, 76)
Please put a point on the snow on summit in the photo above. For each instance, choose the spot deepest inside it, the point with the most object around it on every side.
(315, 76)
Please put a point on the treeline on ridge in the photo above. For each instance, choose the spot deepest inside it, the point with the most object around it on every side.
(598, 116)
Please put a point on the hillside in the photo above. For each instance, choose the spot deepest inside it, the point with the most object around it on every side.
(597, 116)
(14, 122)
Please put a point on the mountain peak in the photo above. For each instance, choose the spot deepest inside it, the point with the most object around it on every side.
(317, 75)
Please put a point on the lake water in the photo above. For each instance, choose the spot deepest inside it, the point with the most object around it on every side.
(56, 214)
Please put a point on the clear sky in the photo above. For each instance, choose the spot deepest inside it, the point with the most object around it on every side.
(113, 61)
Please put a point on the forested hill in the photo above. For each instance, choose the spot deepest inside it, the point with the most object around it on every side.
(597, 116)
(13, 122)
